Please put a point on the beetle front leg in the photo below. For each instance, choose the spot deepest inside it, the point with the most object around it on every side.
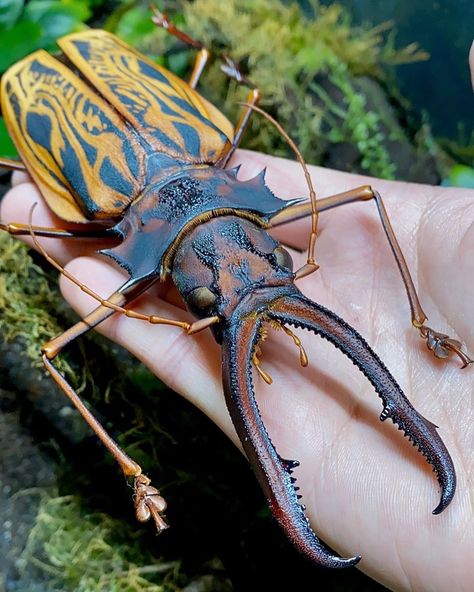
(252, 100)
(147, 499)
(439, 344)
(12, 165)
(203, 55)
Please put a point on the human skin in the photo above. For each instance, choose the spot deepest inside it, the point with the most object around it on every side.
(367, 490)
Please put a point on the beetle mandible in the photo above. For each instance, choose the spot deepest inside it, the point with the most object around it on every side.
(127, 144)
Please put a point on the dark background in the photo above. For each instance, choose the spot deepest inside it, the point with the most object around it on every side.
(445, 29)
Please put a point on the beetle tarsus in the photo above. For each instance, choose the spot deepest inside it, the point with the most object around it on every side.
(232, 70)
(442, 345)
(149, 503)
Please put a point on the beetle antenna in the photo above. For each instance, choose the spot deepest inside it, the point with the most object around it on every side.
(153, 319)
(311, 264)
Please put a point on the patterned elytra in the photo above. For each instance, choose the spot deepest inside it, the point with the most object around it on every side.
(171, 116)
(93, 144)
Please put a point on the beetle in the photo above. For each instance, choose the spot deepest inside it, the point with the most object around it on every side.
(112, 138)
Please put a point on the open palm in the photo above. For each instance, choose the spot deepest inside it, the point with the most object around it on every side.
(367, 491)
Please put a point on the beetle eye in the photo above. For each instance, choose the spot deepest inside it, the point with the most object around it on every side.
(201, 298)
(283, 258)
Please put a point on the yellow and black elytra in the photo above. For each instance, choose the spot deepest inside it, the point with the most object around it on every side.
(114, 139)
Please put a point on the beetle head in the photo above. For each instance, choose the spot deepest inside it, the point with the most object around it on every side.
(230, 268)
(226, 261)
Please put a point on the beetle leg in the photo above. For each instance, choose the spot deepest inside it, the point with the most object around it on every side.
(239, 130)
(162, 20)
(200, 62)
(441, 345)
(202, 57)
(18, 229)
(12, 165)
(230, 69)
(148, 502)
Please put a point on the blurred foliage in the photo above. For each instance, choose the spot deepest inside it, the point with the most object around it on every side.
(461, 152)
(308, 65)
(27, 26)
(306, 68)
(460, 175)
(7, 148)
(291, 56)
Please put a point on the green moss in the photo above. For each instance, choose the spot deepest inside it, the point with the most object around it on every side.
(87, 551)
(306, 69)
(91, 552)
(28, 298)
(359, 126)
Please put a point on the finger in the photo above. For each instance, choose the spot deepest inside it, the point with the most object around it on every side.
(19, 177)
(190, 365)
(286, 176)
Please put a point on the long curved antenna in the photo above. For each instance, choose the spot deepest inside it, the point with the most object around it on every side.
(311, 264)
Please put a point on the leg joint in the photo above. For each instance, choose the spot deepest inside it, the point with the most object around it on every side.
(50, 350)
(367, 192)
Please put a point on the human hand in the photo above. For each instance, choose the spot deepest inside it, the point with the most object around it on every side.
(366, 489)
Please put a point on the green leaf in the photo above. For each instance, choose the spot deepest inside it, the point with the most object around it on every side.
(461, 175)
(134, 25)
(57, 18)
(10, 10)
(178, 63)
(36, 10)
(21, 40)
(7, 149)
